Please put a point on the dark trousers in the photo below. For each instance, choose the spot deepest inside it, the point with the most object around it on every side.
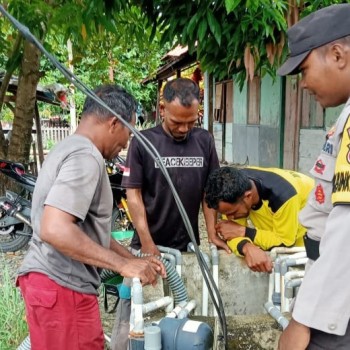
(325, 341)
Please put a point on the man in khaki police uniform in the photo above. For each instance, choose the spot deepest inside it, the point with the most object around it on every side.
(320, 50)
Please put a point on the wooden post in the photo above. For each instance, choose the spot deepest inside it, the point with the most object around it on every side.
(34, 168)
(292, 123)
(158, 121)
(223, 111)
(211, 104)
(39, 139)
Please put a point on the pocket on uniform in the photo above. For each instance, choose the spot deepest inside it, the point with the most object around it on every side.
(41, 297)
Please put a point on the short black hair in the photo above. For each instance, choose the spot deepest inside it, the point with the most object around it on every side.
(227, 184)
(116, 98)
(186, 90)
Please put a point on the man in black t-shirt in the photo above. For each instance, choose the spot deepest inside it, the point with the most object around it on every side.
(189, 155)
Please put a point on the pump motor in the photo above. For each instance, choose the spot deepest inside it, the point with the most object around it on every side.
(179, 334)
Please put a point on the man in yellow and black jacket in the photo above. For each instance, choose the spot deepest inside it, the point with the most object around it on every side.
(262, 207)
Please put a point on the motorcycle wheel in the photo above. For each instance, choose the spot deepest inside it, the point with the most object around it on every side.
(17, 239)
(120, 222)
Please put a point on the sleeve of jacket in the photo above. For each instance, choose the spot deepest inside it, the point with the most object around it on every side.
(235, 244)
(284, 227)
(323, 299)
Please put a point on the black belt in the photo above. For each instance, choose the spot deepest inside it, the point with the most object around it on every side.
(312, 247)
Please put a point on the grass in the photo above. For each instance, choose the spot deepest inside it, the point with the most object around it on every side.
(13, 326)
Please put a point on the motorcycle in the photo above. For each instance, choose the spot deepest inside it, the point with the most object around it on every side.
(122, 227)
(15, 225)
(15, 209)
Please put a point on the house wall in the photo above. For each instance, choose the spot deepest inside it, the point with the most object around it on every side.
(273, 124)
(254, 135)
(312, 139)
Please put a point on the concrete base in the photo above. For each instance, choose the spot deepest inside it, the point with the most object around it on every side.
(243, 295)
(242, 291)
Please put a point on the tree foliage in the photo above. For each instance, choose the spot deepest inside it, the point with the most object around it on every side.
(123, 37)
(106, 35)
(230, 36)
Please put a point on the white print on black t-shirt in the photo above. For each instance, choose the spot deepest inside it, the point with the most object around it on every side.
(182, 162)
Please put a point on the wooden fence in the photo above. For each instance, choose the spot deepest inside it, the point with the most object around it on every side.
(53, 135)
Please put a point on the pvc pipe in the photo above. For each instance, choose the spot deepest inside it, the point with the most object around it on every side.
(291, 262)
(214, 254)
(187, 309)
(289, 287)
(279, 283)
(136, 315)
(277, 270)
(271, 285)
(205, 299)
(174, 313)
(157, 304)
(215, 264)
(284, 250)
(153, 340)
(289, 293)
(190, 248)
(288, 277)
(276, 314)
(284, 268)
(176, 253)
(293, 274)
(205, 292)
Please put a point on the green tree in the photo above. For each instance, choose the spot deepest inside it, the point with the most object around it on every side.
(230, 36)
(97, 30)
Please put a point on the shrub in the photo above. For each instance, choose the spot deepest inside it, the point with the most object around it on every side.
(13, 326)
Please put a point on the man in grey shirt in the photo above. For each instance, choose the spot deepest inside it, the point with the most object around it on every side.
(71, 214)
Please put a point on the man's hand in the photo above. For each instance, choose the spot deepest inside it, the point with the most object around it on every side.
(295, 337)
(256, 259)
(146, 271)
(228, 230)
(157, 264)
(220, 243)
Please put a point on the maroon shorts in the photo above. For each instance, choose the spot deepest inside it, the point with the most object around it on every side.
(60, 318)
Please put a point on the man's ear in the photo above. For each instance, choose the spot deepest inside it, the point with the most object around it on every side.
(248, 194)
(161, 108)
(113, 123)
(340, 55)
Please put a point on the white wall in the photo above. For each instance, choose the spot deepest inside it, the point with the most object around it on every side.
(311, 143)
